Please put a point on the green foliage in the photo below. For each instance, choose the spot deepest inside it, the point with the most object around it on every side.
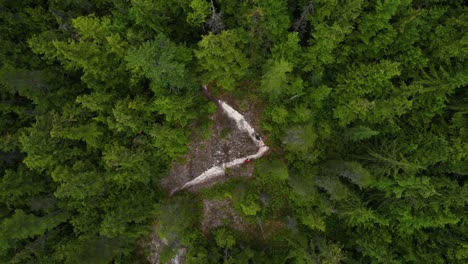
(314, 221)
(274, 18)
(363, 105)
(92, 250)
(359, 133)
(160, 16)
(22, 225)
(274, 81)
(365, 79)
(299, 139)
(272, 170)
(350, 170)
(200, 11)
(251, 208)
(163, 62)
(225, 238)
(177, 217)
(330, 253)
(221, 59)
(17, 186)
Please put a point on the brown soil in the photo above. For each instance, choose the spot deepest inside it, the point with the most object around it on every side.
(226, 143)
(272, 228)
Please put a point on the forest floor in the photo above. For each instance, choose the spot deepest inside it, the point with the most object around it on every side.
(228, 144)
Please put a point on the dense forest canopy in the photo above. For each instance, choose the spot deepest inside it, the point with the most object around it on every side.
(364, 103)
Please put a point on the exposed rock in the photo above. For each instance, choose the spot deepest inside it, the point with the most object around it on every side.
(208, 160)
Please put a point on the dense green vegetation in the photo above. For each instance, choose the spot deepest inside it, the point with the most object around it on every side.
(364, 104)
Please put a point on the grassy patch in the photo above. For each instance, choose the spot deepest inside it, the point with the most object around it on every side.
(225, 132)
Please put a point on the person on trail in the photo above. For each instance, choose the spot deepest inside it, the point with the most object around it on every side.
(246, 161)
(257, 136)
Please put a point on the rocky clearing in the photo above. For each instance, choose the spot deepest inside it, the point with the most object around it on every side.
(232, 141)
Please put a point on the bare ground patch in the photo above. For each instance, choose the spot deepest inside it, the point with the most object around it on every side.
(226, 143)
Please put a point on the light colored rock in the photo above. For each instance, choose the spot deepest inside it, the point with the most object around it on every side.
(219, 170)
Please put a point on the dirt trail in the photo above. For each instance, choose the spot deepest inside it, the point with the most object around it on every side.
(218, 170)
